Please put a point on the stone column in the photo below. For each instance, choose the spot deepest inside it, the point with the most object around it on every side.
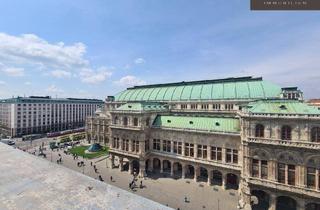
(195, 151)
(208, 152)
(183, 171)
(209, 177)
(120, 142)
(142, 168)
(171, 172)
(224, 181)
(272, 202)
(301, 176)
(130, 167)
(317, 179)
(286, 174)
(223, 154)
(301, 204)
(171, 146)
(161, 166)
(161, 145)
(130, 145)
(121, 164)
(141, 147)
(196, 173)
(272, 170)
(183, 149)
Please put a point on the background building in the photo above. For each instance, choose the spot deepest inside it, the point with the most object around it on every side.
(29, 115)
(241, 133)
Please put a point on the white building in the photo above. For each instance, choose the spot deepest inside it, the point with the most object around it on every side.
(28, 115)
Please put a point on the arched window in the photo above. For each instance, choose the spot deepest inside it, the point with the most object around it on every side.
(115, 121)
(135, 121)
(315, 134)
(125, 121)
(286, 132)
(259, 130)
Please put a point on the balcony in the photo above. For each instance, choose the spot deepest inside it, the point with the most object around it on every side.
(279, 142)
(283, 187)
(125, 153)
(126, 127)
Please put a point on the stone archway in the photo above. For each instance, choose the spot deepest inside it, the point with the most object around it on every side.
(203, 174)
(156, 165)
(313, 206)
(135, 166)
(287, 203)
(216, 178)
(190, 171)
(262, 200)
(177, 169)
(232, 181)
(166, 166)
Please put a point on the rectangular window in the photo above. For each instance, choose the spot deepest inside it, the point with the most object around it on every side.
(281, 172)
(184, 106)
(166, 146)
(255, 168)
(189, 150)
(194, 106)
(232, 156)
(156, 144)
(264, 169)
(291, 174)
(311, 178)
(177, 147)
(216, 153)
(202, 151)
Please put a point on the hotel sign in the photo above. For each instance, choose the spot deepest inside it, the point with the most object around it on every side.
(285, 4)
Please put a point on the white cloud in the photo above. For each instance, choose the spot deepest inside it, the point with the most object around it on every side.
(61, 74)
(31, 49)
(27, 83)
(139, 61)
(12, 71)
(130, 80)
(94, 76)
(56, 59)
(54, 89)
(3, 83)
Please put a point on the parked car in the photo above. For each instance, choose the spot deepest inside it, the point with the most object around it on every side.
(8, 142)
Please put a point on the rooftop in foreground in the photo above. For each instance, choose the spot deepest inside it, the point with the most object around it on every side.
(30, 182)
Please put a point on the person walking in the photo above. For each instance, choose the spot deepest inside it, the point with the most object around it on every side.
(111, 179)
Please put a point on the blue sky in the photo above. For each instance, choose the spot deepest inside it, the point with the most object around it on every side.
(98, 48)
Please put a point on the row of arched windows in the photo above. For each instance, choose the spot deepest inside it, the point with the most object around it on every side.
(125, 121)
(286, 132)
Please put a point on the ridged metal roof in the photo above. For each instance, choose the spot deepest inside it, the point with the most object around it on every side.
(281, 107)
(232, 89)
(213, 124)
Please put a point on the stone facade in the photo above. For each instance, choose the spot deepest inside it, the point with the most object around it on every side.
(273, 159)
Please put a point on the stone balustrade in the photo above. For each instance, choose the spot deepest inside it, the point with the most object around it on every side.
(290, 143)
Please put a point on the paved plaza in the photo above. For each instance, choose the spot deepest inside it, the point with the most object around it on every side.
(165, 190)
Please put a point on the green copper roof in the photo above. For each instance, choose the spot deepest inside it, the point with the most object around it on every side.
(213, 124)
(231, 88)
(281, 107)
(142, 106)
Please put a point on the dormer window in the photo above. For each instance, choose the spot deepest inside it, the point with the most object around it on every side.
(191, 122)
(217, 124)
(130, 106)
(283, 107)
(168, 121)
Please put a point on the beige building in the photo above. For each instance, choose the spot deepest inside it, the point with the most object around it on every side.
(241, 133)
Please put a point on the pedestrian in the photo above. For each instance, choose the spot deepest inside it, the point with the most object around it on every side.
(130, 184)
(185, 199)
(91, 163)
(111, 178)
